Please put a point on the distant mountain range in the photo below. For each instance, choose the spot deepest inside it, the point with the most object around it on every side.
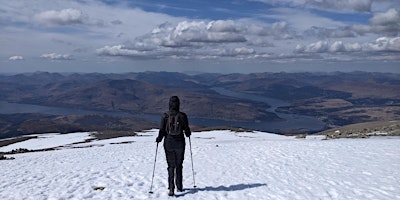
(336, 99)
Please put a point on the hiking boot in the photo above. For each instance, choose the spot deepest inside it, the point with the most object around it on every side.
(171, 192)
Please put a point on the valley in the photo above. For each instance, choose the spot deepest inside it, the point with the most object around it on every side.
(285, 103)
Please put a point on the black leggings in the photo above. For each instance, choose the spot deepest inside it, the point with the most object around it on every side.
(174, 151)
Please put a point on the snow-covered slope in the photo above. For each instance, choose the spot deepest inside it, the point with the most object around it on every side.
(227, 165)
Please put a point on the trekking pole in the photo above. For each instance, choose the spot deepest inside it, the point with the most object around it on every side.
(191, 156)
(154, 168)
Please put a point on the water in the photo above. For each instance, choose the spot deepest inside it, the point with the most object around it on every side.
(274, 103)
(290, 124)
(12, 108)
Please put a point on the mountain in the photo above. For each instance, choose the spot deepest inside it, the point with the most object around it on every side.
(249, 100)
(13, 125)
(336, 98)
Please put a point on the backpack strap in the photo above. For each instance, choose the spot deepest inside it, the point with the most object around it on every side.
(174, 123)
(166, 122)
(176, 119)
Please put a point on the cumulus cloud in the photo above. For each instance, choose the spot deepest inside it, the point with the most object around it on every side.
(54, 56)
(188, 33)
(387, 22)
(62, 17)
(192, 33)
(201, 31)
(234, 52)
(391, 16)
(119, 50)
(381, 44)
(382, 23)
(16, 58)
(384, 44)
(223, 26)
(264, 35)
(278, 30)
(202, 39)
(324, 46)
(168, 38)
(322, 32)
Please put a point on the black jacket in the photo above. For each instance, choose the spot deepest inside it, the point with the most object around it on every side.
(174, 105)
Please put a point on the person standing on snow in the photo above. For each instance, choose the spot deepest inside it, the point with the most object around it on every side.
(174, 124)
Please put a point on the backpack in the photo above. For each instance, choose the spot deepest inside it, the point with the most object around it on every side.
(174, 123)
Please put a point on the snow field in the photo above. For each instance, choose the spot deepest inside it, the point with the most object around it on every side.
(49, 140)
(227, 166)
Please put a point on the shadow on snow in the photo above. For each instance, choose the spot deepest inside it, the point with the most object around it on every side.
(221, 188)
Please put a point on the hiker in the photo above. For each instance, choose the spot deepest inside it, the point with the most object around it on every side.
(173, 125)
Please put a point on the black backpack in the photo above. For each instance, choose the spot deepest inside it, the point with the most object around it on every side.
(174, 123)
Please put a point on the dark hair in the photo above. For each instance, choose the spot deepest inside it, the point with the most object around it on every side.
(174, 103)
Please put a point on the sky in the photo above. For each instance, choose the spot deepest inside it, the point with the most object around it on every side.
(235, 36)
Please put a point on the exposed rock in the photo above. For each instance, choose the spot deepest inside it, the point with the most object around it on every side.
(2, 157)
(364, 130)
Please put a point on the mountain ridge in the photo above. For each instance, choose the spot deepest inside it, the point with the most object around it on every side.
(337, 99)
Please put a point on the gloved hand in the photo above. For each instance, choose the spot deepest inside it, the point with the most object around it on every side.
(158, 139)
(187, 134)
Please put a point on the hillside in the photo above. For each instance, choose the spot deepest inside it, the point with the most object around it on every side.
(262, 101)
(13, 125)
(364, 130)
(336, 98)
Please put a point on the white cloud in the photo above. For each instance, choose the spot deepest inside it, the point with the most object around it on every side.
(339, 46)
(322, 32)
(206, 32)
(235, 52)
(54, 56)
(16, 58)
(383, 23)
(381, 44)
(232, 39)
(391, 16)
(90, 27)
(118, 50)
(223, 26)
(75, 25)
(62, 17)
(385, 44)
(168, 38)
(278, 30)
(201, 38)
(386, 22)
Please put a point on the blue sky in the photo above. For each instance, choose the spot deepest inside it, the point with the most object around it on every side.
(222, 36)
